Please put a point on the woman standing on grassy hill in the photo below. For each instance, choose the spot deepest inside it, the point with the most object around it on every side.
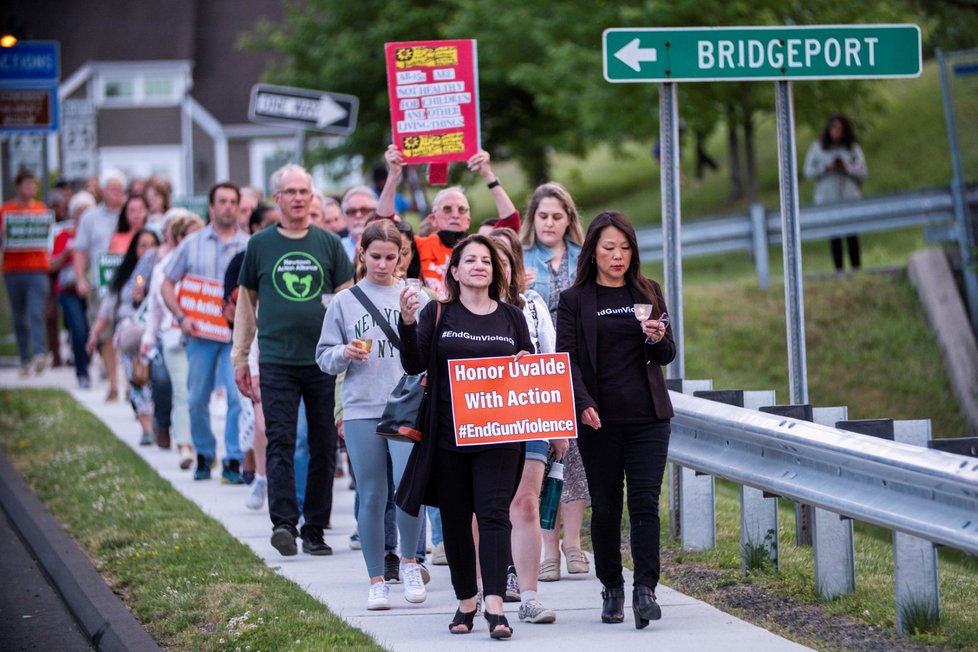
(836, 163)
(552, 238)
(622, 402)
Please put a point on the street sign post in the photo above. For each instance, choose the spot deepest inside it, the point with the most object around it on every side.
(304, 108)
(698, 54)
(29, 73)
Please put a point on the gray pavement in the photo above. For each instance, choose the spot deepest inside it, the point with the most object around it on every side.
(32, 614)
(340, 581)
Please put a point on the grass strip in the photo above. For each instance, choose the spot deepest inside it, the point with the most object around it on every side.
(191, 584)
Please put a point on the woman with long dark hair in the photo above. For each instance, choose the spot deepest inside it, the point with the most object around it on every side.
(473, 322)
(119, 309)
(622, 403)
(836, 163)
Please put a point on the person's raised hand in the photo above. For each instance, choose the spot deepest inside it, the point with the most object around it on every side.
(394, 159)
(480, 164)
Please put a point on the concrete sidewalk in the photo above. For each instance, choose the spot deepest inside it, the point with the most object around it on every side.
(340, 581)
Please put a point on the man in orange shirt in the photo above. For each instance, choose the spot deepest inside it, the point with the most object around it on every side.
(25, 269)
(450, 214)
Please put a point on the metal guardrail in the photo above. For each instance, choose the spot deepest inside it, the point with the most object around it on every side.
(748, 232)
(925, 497)
(927, 493)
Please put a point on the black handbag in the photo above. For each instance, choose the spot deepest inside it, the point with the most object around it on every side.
(407, 407)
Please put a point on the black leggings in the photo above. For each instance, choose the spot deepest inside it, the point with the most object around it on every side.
(633, 456)
(481, 483)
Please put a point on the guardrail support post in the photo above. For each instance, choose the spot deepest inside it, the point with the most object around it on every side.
(914, 559)
(762, 263)
(831, 534)
(683, 483)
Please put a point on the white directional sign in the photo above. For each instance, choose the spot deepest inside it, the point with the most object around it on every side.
(300, 107)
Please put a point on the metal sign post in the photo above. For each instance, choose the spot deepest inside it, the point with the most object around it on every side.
(672, 267)
(794, 296)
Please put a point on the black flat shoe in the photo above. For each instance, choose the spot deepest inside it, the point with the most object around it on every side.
(498, 626)
(461, 618)
(644, 606)
(613, 608)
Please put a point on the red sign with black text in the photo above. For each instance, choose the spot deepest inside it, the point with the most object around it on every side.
(434, 97)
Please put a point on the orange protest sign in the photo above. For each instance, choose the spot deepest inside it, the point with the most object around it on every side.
(497, 400)
(202, 301)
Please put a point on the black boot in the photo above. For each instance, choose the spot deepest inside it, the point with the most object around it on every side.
(644, 606)
(613, 608)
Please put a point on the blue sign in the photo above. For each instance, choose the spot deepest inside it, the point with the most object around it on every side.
(29, 76)
(31, 61)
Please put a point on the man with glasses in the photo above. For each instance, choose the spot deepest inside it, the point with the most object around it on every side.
(358, 204)
(450, 214)
(286, 271)
(205, 255)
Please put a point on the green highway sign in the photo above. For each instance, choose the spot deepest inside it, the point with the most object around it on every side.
(697, 54)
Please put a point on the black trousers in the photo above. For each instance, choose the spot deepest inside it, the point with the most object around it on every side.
(481, 483)
(835, 244)
(281, 387)
(633, 455)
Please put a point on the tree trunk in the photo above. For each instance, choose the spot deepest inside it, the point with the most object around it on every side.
(535, 164)
(733, 146)
(750, 155)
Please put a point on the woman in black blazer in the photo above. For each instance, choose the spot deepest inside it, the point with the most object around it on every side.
(623, 405)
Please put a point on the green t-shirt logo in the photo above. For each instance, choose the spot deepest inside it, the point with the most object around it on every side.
(298, 277)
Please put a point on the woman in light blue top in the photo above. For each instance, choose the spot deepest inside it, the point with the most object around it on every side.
(551, 237)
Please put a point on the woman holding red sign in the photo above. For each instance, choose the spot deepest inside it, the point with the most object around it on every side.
(624, 408)
(473, 322)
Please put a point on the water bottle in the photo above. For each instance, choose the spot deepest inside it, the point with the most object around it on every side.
(553, 485)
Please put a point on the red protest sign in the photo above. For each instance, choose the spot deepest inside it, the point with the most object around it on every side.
(202, 300)
(434, 96)
(497, 400)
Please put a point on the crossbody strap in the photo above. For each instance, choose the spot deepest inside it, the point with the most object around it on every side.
(372, 309)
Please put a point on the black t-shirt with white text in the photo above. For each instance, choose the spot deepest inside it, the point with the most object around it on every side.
(623, 387)
(463, 334)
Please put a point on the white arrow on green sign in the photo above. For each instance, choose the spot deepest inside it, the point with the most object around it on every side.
(690, 54)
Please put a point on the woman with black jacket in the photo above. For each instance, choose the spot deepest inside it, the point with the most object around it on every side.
(473, 322)
(622, 403)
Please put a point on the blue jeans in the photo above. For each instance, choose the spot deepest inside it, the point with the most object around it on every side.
(73, 309)
(209, 361)
(161, 387)
(28, 294)
(281, 388)
(434, 514)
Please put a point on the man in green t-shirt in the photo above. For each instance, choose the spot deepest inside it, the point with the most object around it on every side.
(286, 271)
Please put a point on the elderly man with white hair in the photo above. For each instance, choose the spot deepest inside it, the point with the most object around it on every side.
(286, 271)
(359, 203)
(92, 237)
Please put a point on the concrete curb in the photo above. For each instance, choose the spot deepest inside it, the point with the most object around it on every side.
(103, 618)
(931, 274)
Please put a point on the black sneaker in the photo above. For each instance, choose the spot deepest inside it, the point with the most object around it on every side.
(283, 540)
(313, 544)
(204, 465)
(392, 568)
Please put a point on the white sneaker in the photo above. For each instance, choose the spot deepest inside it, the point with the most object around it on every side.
(414, 589)
(256, 497)
(438, 557)
(378, 599)
(534, 612)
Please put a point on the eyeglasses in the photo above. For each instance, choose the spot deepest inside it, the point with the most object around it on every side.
(366, 210)
(292, 192)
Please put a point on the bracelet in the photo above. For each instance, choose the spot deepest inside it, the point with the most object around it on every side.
(492, 184)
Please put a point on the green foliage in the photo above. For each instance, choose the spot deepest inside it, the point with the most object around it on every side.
(540, 66)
